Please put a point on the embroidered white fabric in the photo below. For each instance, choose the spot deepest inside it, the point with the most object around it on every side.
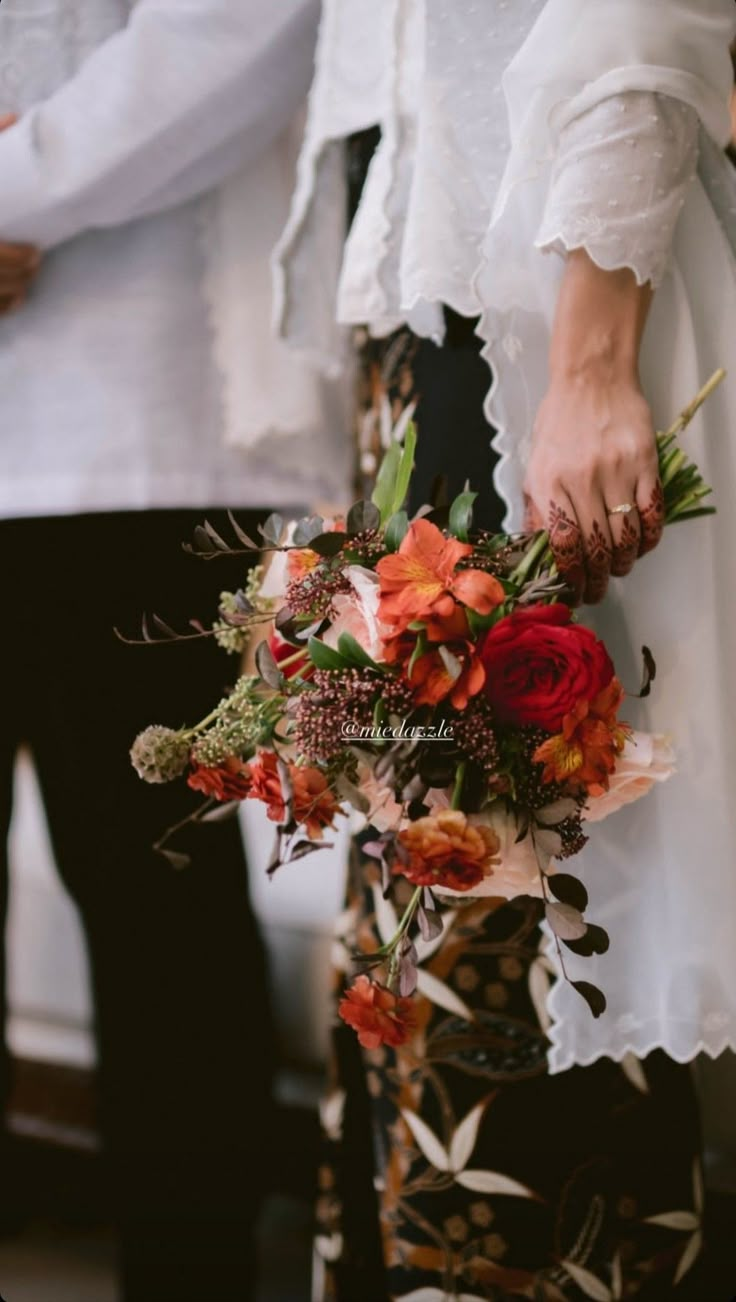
(459, 193)
(651, 141)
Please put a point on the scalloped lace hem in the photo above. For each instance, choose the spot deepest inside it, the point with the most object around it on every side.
(606, 259)
(640, 1046)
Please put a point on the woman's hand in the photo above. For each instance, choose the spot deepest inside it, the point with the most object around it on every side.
(19, 263)
(592, 478)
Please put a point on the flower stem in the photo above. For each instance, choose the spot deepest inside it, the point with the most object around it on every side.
(683, 420)
(457, 792)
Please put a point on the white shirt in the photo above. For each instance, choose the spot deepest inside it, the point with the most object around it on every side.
(510, 133)
(132, 116)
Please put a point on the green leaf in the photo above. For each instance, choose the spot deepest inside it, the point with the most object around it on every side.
(361, 516)
(383, 493)
(328, 544)
(352, 652)
(461, 515)
(395, 533)
(419, 649)
(323, 656)
(394, 475)
(406, 466)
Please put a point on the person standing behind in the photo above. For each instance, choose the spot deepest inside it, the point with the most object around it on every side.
(145, 153)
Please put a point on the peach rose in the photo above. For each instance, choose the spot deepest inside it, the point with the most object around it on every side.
(356, 612)
(645, 759)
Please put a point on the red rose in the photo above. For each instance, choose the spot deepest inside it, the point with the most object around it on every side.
(230, 780)
(539, 665)
(378, 1015)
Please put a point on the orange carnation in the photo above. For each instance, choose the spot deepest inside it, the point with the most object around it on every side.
(230, 780)
(313, 802)
(446, 849)
(315, 805)
(378, 1015)
(421, 580)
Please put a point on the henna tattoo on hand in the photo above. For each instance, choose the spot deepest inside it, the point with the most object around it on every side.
(566, 542)
(626, 550)
(652, 520)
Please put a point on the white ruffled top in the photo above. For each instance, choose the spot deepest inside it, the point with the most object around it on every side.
(511, 133)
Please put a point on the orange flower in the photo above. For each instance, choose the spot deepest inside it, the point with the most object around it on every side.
(434, 678)
(300, 560)
(315, 805)
(421, 580)
(447, 849)
(230, 780)
(458, 673)
(313, 802)
(378, 1015)
(584, 753)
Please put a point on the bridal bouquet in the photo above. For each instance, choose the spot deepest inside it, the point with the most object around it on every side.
(435, 679)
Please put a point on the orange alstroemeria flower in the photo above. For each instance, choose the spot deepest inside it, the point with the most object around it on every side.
(432, 676)
(421, 580)
(584, 754)
(433, 682)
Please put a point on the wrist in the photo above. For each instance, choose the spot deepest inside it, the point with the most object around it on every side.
(603, 357)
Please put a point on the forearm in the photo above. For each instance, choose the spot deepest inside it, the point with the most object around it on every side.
(599, 322)
(158, 101)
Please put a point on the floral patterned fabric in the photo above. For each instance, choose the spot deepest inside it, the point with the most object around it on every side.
(492, 1179)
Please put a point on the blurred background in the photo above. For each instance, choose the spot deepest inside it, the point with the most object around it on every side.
(57, 1245)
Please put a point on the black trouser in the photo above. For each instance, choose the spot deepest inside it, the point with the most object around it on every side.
(182, 1021)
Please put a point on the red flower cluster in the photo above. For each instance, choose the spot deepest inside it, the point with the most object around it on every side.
(313, 802)
(539, 666)
(378, 1015)
(230, 780)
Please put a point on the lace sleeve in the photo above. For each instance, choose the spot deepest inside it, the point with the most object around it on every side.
(619, 182)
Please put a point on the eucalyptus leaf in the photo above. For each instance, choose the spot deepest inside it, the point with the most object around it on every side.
(566, 922)
(307, 529)
(267, 666)
(272, 528)
(328, 544)
(363, 516)
(595, 941)
(568, 890)
(594, 998)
